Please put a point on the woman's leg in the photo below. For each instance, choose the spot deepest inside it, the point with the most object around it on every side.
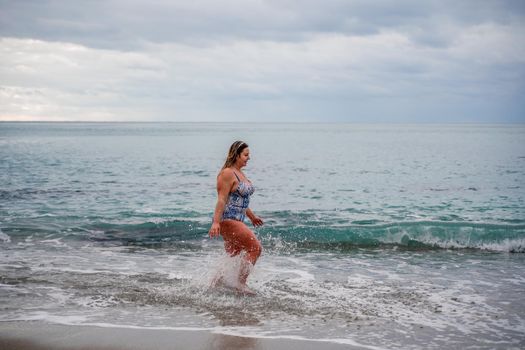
(238, 237)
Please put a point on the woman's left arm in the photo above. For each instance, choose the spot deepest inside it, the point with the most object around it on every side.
(256, 221)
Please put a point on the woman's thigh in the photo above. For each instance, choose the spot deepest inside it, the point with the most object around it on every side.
(237, 236)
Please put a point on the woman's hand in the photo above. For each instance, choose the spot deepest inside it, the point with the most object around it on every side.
(256, 221)
(215, 230)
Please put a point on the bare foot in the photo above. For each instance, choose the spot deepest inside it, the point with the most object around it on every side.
(244, 290)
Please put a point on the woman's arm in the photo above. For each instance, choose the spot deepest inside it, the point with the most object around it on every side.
(256, 221)
(224, 184)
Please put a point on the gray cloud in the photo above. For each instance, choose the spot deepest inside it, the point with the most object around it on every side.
(263, 60)
(127, 24)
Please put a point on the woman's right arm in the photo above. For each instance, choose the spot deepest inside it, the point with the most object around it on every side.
(224, 183)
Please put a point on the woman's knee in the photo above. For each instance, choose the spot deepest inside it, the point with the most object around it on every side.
(256, 249)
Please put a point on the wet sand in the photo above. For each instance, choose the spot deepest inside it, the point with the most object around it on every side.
(34, 335)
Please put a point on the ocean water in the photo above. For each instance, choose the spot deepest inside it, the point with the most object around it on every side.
(382, 236)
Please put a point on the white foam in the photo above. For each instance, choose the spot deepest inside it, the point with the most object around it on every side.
(97, 301)
(178, 276)
(5, 287)
(507, 245)
(146, 210)
(227, 269)
(113, 325)
(52, 318)
(4, 237)
(302, 275)
(46, 215)
(56, 241)
(354, 291)
(97, 233)
(59, 296)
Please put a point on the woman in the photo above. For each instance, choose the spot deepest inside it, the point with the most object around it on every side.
(234, 191)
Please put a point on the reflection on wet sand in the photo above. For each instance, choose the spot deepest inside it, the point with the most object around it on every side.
(228, 342)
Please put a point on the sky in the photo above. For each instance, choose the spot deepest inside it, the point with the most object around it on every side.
(405, 61)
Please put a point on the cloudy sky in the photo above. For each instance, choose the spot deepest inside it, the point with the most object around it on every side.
(263, 60)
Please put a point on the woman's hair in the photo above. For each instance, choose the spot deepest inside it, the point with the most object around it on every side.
(235, 151)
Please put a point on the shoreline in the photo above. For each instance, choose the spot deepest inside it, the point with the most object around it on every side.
(38, 335)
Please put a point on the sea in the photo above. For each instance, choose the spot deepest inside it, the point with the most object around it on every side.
(379, 236)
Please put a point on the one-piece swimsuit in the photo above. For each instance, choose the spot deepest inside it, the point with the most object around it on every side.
(238, 201)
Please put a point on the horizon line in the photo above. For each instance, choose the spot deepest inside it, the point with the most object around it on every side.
(259, 122)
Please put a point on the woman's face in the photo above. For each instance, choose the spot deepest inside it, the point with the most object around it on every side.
(244, 157)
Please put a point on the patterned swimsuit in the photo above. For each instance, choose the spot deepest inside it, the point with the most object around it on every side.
(238, 201)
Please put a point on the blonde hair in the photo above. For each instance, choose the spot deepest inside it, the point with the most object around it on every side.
(235, 151)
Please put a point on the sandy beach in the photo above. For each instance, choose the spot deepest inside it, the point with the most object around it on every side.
(44, 336)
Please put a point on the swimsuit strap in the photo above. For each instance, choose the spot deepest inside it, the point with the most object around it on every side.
(238, 179)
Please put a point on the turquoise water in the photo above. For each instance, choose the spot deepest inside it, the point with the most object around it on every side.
(411, 232)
